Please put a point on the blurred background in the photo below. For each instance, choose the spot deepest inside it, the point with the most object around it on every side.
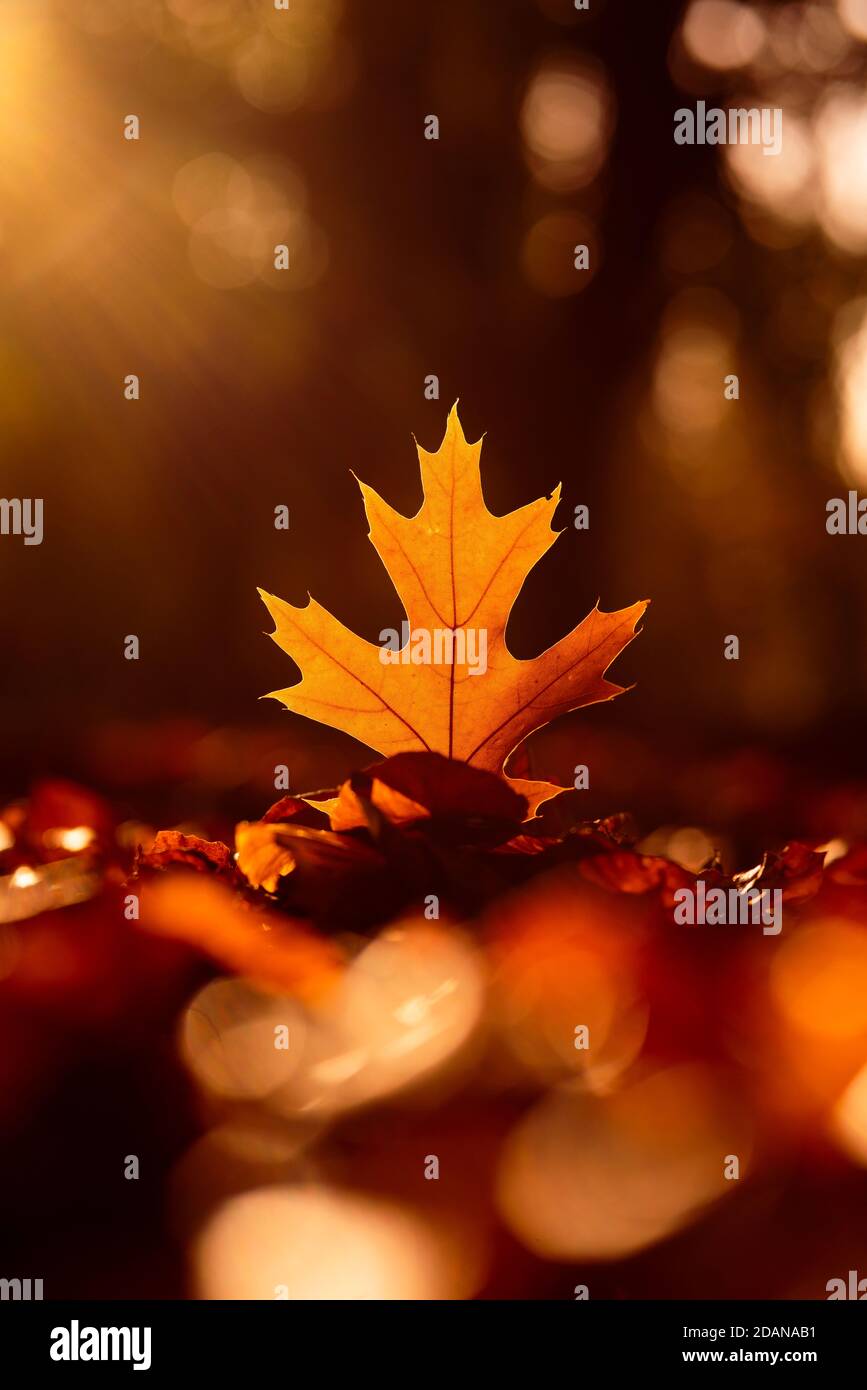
(411, 257)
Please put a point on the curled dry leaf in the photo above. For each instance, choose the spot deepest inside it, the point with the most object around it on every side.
(797, 870)
(625, 871)
(265, 853)
(458, 570)
(426, 786)
(262, 857)
(173, 848)
(296, 810)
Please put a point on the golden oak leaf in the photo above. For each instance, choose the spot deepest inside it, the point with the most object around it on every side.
(457, 569)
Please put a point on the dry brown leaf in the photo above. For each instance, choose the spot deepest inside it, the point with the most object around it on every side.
(173, 848)
(413, 787)
(266, 851)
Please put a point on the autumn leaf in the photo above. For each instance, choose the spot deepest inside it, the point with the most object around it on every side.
(172, 848)
(269, 850)
(457, 569)
(414, 787)
(273, 950)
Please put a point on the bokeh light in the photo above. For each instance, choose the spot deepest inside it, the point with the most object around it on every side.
(696, 353)
(405, 1005)
(819, 980)
(722, 33)
(784, 183)
(841, 137)
(602, 1178)
(849, 1119)
(567, 121)
(853, 13)
(564, 959)
(230, 1043)
(851, 382)
(314, 1242)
